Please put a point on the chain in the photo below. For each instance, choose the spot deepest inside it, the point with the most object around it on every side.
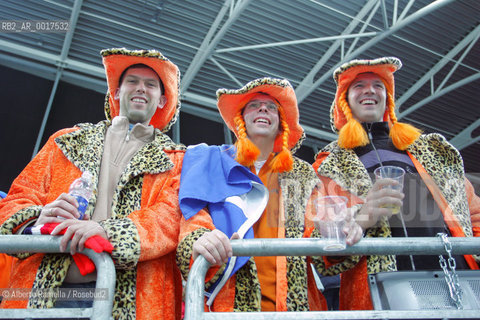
(451, 276)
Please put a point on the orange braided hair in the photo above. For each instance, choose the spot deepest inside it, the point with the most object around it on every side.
(352, 134)
(247, 151)
(283, 161)
(402, 134)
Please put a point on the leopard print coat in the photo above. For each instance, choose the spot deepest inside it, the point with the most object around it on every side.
(296, 189)
(145, 203)
(440, 160)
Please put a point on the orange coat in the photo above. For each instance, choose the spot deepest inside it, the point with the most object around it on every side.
(143, 228)
(6, 262)
(452, 192)
(296, 289)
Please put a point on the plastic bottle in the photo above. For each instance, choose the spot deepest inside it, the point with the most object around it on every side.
(82, 190)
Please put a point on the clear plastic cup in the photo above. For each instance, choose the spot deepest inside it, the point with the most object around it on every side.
(330, 220)
(394, 173)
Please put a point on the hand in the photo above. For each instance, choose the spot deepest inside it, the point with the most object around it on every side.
(352, 229)
(64, 207)
(214, 246)
(377, 198)
(78, 231)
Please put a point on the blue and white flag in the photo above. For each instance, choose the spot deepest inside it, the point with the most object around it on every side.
(235, 196)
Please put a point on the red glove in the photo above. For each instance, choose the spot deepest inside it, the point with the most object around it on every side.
(96, 243)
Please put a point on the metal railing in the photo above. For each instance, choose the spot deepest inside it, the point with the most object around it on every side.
(194, 299)
(101, 309)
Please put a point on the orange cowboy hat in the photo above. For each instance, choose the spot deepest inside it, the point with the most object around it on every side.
(116, 60)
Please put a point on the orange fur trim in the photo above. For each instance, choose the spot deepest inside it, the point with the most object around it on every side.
(448, 216)
(354, 289)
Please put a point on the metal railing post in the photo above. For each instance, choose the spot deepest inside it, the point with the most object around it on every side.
(101, 309)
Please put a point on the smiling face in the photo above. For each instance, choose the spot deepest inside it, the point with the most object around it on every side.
(367, 97)
(261, 117)
(140, 95)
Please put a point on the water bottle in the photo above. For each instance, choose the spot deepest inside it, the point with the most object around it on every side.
(82, 190)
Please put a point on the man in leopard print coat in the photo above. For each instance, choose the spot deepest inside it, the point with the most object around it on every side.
(136, 173)
(437, 197)
(264, 116)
